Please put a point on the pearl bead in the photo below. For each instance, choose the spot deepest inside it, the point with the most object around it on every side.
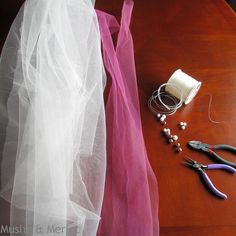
(183, 124)
(171, 140)
(182, 127)
(158, 115)
(179, 149)
(175, 137)
(162, 118)
(168, 132)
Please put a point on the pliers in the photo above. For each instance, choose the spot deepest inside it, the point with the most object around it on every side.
(209, 149)
(201, 170)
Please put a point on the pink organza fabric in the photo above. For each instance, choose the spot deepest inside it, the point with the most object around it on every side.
(130, 205)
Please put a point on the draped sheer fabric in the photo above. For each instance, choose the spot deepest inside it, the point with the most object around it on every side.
(51, 81)
(131, 196)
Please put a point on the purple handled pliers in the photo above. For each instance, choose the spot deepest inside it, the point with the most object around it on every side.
(201, 169)
(210, 150)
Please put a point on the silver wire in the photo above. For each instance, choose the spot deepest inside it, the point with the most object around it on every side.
(158, 106)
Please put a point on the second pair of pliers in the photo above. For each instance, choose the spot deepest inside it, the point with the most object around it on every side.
(210, 149)
(201, 169)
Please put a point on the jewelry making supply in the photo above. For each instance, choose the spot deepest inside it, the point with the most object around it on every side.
(182, 125)
(180, 88)
(187, 84)
(162, 103)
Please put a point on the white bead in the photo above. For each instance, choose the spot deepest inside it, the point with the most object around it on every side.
(168, 134)
(183, 124)
(175, 137)
(177, 145)
(182, 127)
(164, 116)
(166, 131)
(178, 149)
(171, 140)
(158, 115)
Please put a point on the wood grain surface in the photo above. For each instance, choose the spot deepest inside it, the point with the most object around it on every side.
(200, 38)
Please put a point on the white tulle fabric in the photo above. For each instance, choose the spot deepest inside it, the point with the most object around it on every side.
(52, 80)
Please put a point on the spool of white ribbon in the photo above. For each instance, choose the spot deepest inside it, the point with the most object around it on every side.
(187, 84)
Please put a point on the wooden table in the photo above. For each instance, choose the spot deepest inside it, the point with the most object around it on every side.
(200, 38)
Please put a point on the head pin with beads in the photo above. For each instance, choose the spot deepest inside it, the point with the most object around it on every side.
(182, 125)
(161, 118)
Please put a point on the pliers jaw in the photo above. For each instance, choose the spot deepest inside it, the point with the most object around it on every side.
(199, 145)
(210, 149)
(194, 164)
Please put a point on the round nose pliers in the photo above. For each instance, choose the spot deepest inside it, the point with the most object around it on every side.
(202, 171)
(210, 149)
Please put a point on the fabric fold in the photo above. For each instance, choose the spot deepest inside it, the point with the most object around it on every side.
(52, 115)
(131, 195)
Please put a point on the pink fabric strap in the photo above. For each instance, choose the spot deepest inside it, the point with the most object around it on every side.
(130, 205)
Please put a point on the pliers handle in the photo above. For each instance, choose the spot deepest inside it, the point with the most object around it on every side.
(222, 147)
(208, 181)
(201, 170)
(210, 149)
